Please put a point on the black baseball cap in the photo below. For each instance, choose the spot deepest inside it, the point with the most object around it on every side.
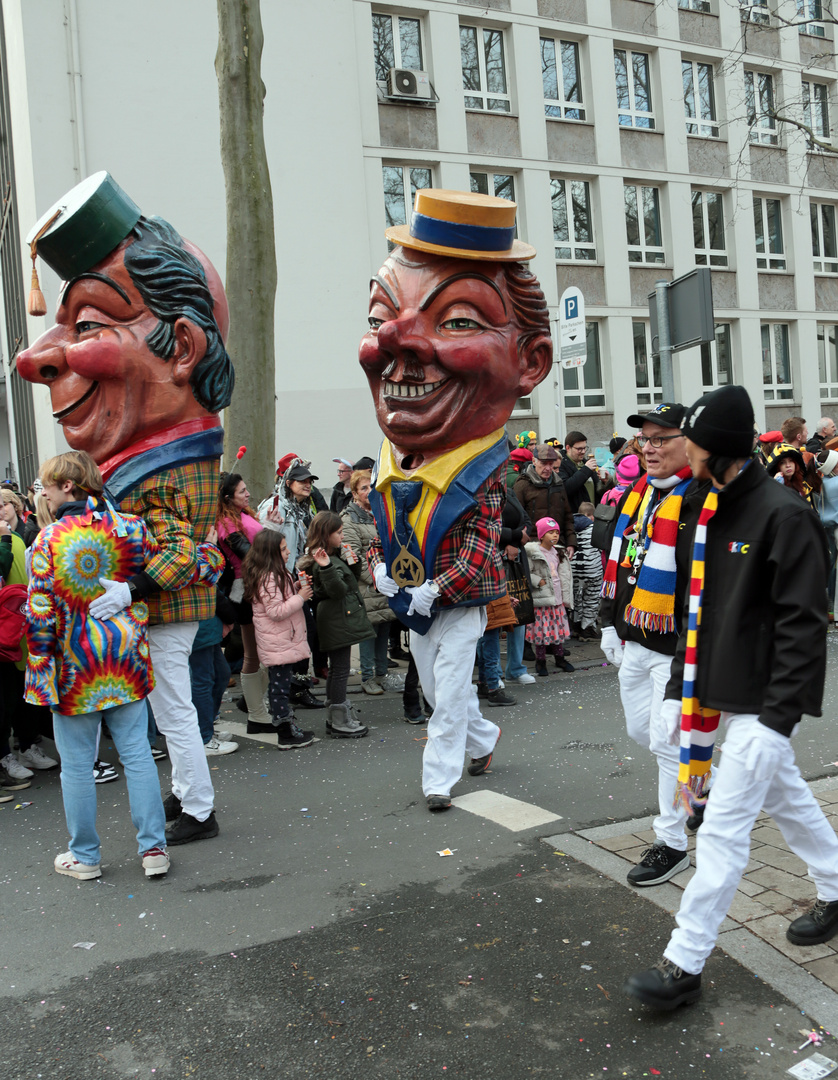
(301, 472)
(667, 414)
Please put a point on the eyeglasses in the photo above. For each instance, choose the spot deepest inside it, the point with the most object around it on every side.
(656, 440)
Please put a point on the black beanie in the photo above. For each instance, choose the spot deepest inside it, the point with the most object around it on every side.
(722, 422)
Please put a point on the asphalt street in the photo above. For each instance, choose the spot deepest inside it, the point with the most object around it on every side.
(322, 933)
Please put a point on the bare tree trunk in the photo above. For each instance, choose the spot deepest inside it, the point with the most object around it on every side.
(251, 250)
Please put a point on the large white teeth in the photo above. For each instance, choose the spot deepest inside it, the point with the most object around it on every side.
(406, 390)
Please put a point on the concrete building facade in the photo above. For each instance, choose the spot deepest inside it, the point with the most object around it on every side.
(639, 140)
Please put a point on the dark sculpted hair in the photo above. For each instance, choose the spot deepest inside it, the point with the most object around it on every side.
(173, 285)
(321, 528)
(264, 561)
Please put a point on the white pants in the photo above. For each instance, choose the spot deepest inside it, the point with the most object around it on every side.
(723, 842)
(171, 699)
(445, 661)
(643, 678)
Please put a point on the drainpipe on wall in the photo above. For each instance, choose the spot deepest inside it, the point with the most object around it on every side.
(71, 21)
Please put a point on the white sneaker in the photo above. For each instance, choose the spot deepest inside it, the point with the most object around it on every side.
(35, 757)
(524, 680)
(215, 748)
(221, 735)
(156, 861)
(14, 768)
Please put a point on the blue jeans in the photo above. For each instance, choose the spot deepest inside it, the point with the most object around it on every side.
(374, 652)
(515, 666)
(488, 658)
(75, 737)
(209, 674)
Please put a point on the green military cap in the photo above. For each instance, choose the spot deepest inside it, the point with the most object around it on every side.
(84, 226)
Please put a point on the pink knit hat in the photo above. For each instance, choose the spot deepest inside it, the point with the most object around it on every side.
(628, 469)
(544, 525)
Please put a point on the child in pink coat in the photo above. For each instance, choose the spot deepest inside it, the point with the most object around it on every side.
(280, 625)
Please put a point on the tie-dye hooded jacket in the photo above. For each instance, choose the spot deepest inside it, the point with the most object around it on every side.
(78, 664)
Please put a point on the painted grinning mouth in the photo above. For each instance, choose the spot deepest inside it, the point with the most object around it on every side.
(86, 396)
(410, 390)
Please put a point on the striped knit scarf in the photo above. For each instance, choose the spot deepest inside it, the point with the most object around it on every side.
(698, 725)
(652, 605)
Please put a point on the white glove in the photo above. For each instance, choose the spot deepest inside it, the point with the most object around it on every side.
(116, 596)
(421, 598)
(765, 752)
(670, 721)
(383, 582)
(611, 646)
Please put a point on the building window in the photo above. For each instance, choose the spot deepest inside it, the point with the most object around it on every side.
(768, 228)
(776, 362)
(647, 393)
(401, 182)
(759, 97)
(573, 224)
(716, 363)
(699, 99)
(560, 79)
(754, 11)
(643, 224)
(828, 361)
(810, 13)
(816, 109)
(500, 184)
(824, 247)
(396, 43)
(484, 69)
(695, 5)
(583, 385)
(709, 228)
(634, 92)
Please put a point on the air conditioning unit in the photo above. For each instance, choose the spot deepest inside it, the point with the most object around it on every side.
(406, 83)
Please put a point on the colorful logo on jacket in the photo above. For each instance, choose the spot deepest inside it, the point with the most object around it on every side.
(736, 547)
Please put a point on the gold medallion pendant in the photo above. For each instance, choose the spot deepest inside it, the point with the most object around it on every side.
(406, 569)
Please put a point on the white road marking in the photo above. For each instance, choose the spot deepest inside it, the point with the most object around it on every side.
(513, 814)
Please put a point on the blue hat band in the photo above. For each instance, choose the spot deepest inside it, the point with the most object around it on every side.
(456, 235)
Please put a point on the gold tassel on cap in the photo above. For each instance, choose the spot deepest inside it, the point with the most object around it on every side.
(37, 305)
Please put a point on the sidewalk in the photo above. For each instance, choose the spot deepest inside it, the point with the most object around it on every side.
(774, 890)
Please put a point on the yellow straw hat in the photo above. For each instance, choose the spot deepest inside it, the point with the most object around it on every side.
(462, 224)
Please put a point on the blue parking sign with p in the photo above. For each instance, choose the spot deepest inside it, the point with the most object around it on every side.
(571, 308)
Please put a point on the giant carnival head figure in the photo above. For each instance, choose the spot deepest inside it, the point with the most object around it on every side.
(137, 348)
(459, 327)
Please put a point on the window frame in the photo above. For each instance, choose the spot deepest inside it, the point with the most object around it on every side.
(650, 394)
(710, 359)
(814, 25)
(769, 255)
(643, 247)
(807, 85)
(775, 390)
(398, 61)
(706, 255)
(505, 96)
(408, 190)
(816, 220)
(828, 386)
(561, 103)
(492, 184)
(572, 243)
(762, 126)
(696, 5)
(696, 121)
(590, 397)
(632, 113)
(755, 11)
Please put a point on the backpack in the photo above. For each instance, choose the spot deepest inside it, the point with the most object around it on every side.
(12, 622)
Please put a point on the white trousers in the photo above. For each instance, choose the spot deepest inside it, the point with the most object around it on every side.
(723, 842)
(643, 678)
(171, 699)
(445, 661)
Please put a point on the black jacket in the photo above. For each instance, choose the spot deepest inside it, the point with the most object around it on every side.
(612, 611)
(575, 481)
(762, 643)
(340, 499)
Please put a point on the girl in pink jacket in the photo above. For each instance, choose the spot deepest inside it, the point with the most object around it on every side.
(280, 625)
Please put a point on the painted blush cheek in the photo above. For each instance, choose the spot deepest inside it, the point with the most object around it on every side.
(99, 358)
